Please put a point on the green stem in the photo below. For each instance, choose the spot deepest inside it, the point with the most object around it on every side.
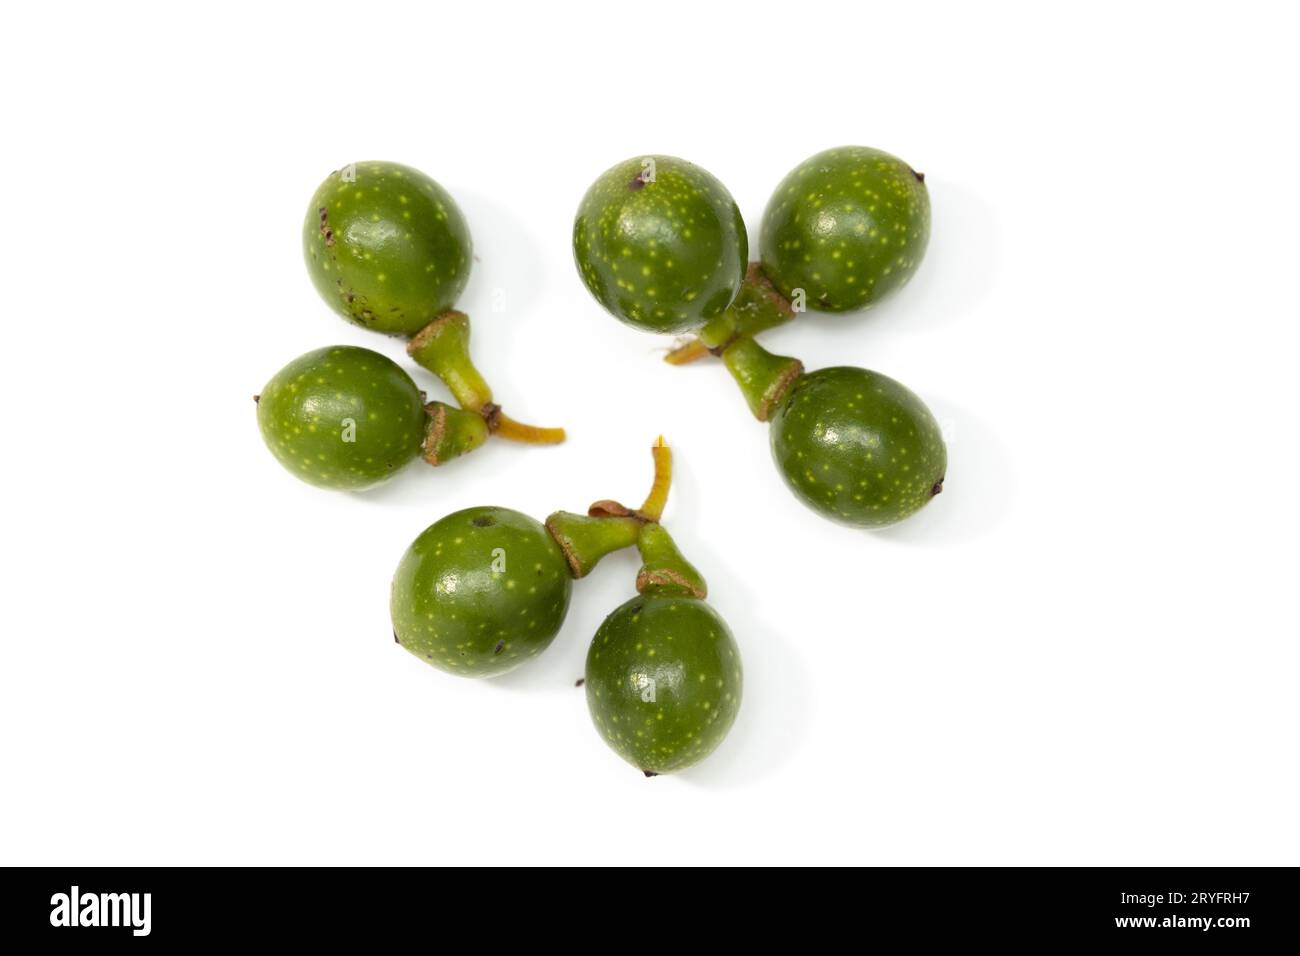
(758, 307)
(442, 347)
(449, 432)
(653, 508)
(609, 526)
(664, 570)
(585, 540)
(764, 379)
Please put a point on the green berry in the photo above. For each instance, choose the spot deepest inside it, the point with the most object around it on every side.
(386, 246)
(660, 243)
(342, 417)
(848, 227)
(858, 447)
(480, 592)
(663, 682)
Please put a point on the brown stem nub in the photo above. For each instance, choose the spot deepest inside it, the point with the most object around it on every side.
(607, 508)
(668, 581)
(653, 508)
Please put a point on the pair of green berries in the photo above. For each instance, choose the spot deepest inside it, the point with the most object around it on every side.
(485, 589)
(389, 250)
(661, 244)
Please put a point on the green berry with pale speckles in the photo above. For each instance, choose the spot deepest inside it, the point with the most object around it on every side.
(663, 682)
(342, 417)
(480, 592)
(660, 243)
(858, 447)
(848, 226)
(386, 246)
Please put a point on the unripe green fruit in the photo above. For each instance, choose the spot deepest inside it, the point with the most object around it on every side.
(858, 447)
(660, 243)
(342, 417)
(663, 682)
(480, 592)
(848, 227)
(386, 246)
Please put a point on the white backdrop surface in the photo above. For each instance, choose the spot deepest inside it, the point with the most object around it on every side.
(1083, 652)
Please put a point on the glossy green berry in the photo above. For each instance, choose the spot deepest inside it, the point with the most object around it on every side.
(660, 243)
(848, 227)
(386, 246)
(858, 447)
(480, 592)
(342, 417)
(663, 682)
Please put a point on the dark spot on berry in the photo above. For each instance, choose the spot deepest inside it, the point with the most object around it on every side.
(396, 639)
(256, 399)
(938, 487)
(325, 229)
(920, 177)
(650, 773)
(483, 521)
(579, 682)
(637, 609)
(636, 183)
(501, 646)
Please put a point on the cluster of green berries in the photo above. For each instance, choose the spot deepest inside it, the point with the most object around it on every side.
(660, 244)
(486, 589)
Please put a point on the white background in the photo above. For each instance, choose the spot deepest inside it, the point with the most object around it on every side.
(1083, 652)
